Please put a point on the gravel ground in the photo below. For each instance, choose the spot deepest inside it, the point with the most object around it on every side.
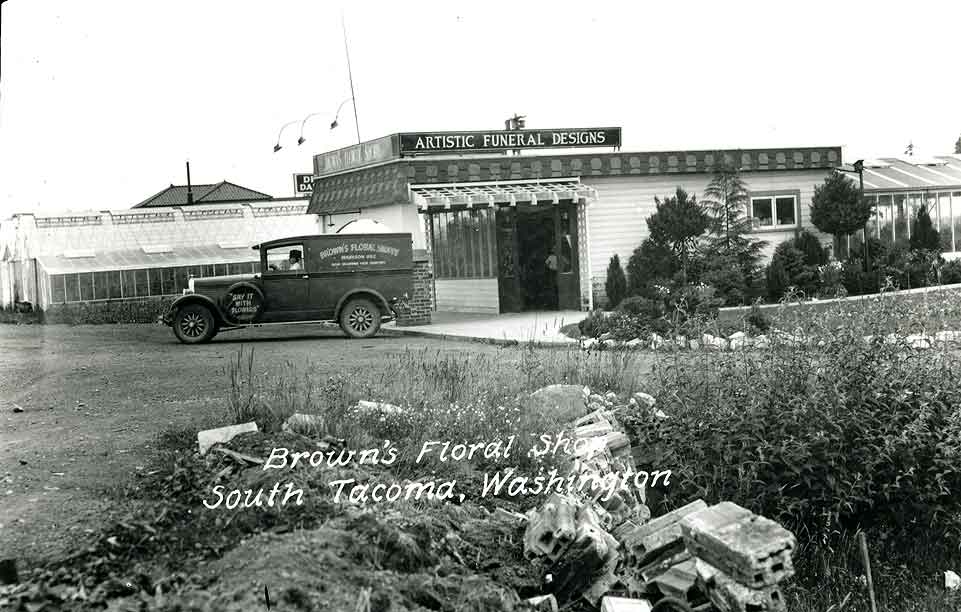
(95, 397)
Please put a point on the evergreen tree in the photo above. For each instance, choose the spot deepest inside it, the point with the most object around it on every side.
(652, 261)
(924, 236)
(837, 207)
(616, 284)
(678, 222)
(732, 254)
(726, 197)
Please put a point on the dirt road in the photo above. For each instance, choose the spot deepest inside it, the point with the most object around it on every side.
(95, 397)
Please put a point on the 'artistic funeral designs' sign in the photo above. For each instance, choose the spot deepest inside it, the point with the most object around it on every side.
(499, 140)
(364, 252)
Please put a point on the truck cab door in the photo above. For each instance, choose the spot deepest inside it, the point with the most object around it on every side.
(286, 285)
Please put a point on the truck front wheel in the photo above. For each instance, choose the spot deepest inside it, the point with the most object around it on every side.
(360, 318)
(194, 324)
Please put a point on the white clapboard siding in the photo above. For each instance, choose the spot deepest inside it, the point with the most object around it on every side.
(467, 295)
(618, 216)
(400, 218)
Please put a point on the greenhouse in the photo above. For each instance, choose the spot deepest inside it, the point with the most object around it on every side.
(101, 256)
(900, 187)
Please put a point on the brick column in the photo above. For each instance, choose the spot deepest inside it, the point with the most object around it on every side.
(421, 302)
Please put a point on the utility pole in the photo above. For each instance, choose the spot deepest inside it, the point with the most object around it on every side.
(350, 75)
(859, 168)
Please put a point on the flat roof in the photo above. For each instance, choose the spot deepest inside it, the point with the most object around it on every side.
(387, 182)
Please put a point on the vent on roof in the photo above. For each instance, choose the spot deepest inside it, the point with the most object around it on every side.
(236, 244)
(77, 253)
(157, 248)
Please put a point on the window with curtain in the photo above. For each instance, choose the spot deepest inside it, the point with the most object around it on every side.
(774, 211)
(463, 244)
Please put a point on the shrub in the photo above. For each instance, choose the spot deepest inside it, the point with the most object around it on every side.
(855, 434)
(616, 284)
(728, 278)
(796, 263)
(145, 310)
(831, 280)
(857, 281)
(814, 252)
(642, 306)
(951, 272)
(757, 319)
(651, 262)
(594, 324)
(924, 236)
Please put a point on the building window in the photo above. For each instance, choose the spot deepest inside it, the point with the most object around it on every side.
(58, 283)
(463, 244)
(774, 211)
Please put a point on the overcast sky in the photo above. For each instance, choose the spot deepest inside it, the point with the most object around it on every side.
(101, 102)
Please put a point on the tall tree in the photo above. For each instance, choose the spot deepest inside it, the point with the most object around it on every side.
(837, 207)
(957, 146)
(732, 254)
(726, 197)
(679, 221)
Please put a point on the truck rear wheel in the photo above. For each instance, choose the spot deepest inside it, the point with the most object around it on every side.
(194, 324)
(360, 318)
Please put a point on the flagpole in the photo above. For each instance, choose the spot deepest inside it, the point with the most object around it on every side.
(350, 76)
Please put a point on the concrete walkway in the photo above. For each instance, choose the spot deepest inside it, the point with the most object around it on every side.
(538, 327)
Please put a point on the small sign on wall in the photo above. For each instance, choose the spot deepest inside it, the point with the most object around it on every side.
(303, 184)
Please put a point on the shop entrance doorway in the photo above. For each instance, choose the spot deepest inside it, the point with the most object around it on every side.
(537, 258)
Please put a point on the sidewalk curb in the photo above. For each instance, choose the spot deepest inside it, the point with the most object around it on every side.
(394, 332)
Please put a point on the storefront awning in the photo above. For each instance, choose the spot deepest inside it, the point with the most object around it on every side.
(510, 193)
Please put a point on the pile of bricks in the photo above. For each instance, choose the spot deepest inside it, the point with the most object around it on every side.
(611, 554)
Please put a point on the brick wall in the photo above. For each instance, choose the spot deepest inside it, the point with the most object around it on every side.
(421, 303)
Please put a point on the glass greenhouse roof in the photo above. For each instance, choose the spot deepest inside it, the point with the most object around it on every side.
(134, 259)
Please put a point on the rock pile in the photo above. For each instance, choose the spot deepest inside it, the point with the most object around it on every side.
(611, 554)
(740, 341)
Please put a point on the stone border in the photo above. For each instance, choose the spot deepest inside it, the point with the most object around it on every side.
(740, 341)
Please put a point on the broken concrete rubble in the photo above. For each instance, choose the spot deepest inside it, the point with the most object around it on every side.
(208, 437)
(542, 603)
(304, 424)
(623, 604)
(728, 595)
(754, 550)
(597, 546)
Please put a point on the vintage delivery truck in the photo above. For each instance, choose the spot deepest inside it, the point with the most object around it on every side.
(356, 280)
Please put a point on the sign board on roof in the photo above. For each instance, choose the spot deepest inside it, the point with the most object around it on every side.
(499, 140)
(357, 156)
(303, 184)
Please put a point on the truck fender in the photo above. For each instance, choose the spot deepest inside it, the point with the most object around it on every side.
(382, 302)
(192, 298)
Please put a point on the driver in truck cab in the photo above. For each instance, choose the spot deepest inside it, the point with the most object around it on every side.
(292, 263)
